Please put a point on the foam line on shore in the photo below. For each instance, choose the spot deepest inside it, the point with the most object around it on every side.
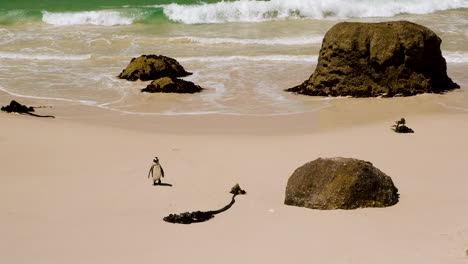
(169, 112)
(304, 58)
(272, 41)
(174, 113)
(26, 56)
(91, 103)
(454, 107)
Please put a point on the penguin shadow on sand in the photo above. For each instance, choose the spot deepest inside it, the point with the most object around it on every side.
(164, 184)
(156, 172)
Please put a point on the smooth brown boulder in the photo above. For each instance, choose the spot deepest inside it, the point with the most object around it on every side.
(152, 67)
(171, 85)
(378, 59)
(340, 183)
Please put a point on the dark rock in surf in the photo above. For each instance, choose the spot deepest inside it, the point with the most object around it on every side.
(152, 67)
(378, 59)
(340, 183)
(171, 85)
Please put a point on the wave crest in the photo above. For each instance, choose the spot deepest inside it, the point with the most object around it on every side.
(101, 18)
(259, 11)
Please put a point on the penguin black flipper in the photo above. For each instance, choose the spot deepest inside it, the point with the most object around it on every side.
(150, 172)
(162, 171)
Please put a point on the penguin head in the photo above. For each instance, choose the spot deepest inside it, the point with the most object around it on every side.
(156, 160)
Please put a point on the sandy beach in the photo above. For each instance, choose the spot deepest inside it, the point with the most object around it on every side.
(74, 189)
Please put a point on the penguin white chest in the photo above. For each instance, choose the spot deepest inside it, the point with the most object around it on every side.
(157, 173)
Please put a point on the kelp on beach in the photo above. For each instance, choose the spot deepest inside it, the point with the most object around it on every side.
(203, 216)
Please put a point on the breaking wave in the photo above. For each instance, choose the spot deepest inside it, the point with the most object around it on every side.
(101, 18)
(249, 11)
(258, 11)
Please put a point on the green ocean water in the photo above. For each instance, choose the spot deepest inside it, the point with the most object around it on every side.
(146, 11)
(244, 53)
(215, 11)
(86, 5)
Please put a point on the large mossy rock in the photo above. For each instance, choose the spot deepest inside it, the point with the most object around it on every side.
(378, 59)
(340, 183)
(171, 85)
(152, 67)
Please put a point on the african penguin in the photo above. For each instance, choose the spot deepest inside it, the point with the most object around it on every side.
(156, 171)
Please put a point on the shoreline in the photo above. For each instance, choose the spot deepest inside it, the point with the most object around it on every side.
(341, 113)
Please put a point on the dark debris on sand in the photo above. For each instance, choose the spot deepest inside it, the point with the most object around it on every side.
(202, 216)
(15, 107)
(400, 127)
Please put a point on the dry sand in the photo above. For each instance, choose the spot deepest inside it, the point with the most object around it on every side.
(75, 190)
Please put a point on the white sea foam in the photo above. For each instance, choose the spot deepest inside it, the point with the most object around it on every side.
(454, 107)
(456, 57)
(302, 58)
(257, 11)
(47, 98)
(6, 36)
(450, 57)
(101, 18)
(30, 56)
(270, 41)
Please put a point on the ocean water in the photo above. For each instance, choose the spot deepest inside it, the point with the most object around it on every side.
(244, 53)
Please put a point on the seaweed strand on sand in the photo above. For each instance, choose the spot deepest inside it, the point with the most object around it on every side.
(202, 216)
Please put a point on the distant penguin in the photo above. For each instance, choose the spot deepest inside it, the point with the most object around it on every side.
(156, 171)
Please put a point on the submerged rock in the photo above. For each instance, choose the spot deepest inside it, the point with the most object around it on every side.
(151, 67)
(340, 183)
(378, 59)
(171, 85)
